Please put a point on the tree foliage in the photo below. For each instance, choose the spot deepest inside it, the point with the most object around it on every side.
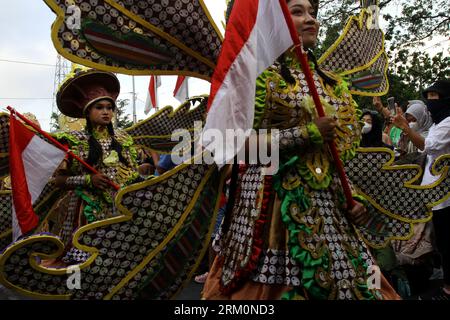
(411, 69)
(122, 118)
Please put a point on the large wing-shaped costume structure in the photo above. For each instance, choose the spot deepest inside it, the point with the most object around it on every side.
(359, 56)
(159, 132)
(153, 247)
(4, 145)
(396, 198)
(166, 37)
(150, 251)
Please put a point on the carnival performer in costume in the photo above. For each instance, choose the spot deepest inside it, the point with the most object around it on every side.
(296, 239)
(92, 95)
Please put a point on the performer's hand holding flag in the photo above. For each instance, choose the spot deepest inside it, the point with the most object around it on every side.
(32, 162)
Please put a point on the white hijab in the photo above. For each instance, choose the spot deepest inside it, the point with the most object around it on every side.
(418, 110)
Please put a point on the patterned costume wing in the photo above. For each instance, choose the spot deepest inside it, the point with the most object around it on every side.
(41, 207)
(150, 251)
(5, 219)
(359, 56)
(155, 133)
(138, 37)
(394, 194)
(4, 145)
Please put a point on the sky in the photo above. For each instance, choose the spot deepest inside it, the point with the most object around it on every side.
(25, 36)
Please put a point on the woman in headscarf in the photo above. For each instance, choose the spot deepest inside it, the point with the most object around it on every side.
(414, 125)
(372, 131)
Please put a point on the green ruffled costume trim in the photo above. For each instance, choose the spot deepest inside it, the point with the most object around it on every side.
(308, 263)
(303, 257)
(91, 207)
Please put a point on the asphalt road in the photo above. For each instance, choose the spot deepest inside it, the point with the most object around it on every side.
(191, 292)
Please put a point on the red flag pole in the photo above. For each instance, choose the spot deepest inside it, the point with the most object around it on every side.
(58, 144)
(301, 55)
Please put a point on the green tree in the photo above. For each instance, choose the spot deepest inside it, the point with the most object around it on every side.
(54, 121)
(122, 120)
(410, 70)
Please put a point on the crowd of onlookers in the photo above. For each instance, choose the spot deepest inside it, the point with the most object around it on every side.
(419, 132)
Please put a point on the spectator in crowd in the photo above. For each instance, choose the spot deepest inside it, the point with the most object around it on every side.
(437, 143)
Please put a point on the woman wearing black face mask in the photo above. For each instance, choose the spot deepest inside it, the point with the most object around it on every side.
(437, 144)
(437, 98)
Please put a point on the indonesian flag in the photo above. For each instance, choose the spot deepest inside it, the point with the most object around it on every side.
(152, 95)
(256, 35)
(32, 162)
(181, 89)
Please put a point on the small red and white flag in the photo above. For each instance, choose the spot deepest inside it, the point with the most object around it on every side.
(152, 95)
(32, 162)
(181, 89)
(253, 41)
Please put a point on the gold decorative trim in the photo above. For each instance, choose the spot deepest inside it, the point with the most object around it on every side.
(172, 113)
(207, 238)
(360, 21)
(408, 184)
(211, 20)
(160, 33)
(21, 243)
(54, 35)
(128, 215)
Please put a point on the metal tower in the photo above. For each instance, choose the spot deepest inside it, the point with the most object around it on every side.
(61, 70)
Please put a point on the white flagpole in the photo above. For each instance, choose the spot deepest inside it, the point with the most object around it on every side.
(156, 92)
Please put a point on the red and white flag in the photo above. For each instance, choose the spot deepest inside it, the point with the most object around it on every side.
(152, 95)
(253, 41)
(181, 89)
(32, 162)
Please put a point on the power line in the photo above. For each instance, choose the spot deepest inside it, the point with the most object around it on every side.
(25, 62)
(26, 98)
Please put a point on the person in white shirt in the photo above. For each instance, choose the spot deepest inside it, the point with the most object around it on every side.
(437, 144)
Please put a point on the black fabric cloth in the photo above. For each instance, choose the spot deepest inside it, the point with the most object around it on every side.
(440, 108)
(441, 221)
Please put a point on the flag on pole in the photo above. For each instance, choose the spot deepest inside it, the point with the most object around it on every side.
(253, 41)
(181, 89)
(32, 162)
(152, 95)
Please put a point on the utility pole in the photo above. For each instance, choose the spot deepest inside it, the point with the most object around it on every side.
(134, 102)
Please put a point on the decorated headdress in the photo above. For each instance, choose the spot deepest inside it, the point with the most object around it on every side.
(85, 88)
